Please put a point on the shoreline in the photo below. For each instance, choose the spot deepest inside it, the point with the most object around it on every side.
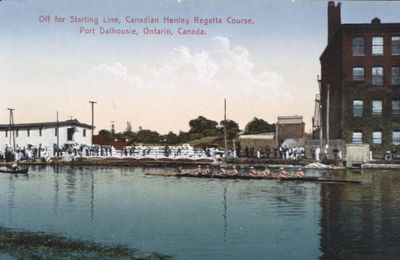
(172, 162)
(190, 162)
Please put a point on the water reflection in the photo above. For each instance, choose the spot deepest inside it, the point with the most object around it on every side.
(210, 218)
(361, 221)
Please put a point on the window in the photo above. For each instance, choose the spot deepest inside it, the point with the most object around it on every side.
(84, 132)
(377, 138)
(40, 131)
(357, 138)
(396, 45)
(70, 134)
(358, 108)
(28, 132)
(358, 74)
(395, 75)
(358, 46)
(376, 107)
(396, 107)
(377, 45)
(377, 76)
(396, 137)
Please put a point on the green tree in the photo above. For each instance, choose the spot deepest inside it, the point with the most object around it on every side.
(105, 135)
(147, 136)
(171, 138)
(203, 126)
(257, 126)
(232, 128)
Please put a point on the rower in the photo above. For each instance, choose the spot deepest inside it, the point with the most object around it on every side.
(267, 172)
(253, 172)
(299, 174)
(282, 173)
(235, 171)
(208, 170)
(179, 169)
(198, 171)
(223, 172)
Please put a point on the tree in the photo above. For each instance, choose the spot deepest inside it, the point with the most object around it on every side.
(203, 126)
(257, 126)
(183, 137)
(171, 138)
(105, 135)
(147, 136)
(232, 128)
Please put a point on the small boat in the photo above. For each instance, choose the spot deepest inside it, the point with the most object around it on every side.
(16, 171)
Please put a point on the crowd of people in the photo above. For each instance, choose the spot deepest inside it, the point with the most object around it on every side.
(34, 152)
(277, 152)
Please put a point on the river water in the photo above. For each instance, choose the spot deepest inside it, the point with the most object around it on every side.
(210, 218)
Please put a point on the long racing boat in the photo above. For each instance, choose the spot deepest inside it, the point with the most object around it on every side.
(260, 177)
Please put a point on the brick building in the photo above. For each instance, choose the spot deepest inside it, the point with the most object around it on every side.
(360, 69)
(290, 127)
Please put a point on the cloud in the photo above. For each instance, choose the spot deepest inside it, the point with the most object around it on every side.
(189, 84)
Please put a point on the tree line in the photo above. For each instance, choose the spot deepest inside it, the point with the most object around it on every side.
(200, 128)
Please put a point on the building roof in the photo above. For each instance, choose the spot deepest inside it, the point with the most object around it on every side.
(374, 26)
(42, 125)
(290, 119)
(266, 136)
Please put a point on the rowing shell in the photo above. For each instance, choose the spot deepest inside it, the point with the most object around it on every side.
(22, 171)
(244, 177)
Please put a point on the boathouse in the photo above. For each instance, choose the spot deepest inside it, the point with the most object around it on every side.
(46, 134)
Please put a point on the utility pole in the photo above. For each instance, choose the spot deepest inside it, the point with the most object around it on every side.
(327, 113)
(225, 138)
(112, 129)
(11, 127)
(320, 112)
(92, 102)
(58, 136)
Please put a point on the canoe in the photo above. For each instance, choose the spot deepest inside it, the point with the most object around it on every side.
(247, 177)
(21, 171)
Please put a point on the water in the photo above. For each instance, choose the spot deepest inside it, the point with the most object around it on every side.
(209, 218)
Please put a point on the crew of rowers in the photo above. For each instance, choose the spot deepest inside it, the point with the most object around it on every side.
(235, 172)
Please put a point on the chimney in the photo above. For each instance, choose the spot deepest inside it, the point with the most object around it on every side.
(334, 18)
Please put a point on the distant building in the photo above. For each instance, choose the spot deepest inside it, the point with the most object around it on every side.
(290, 127)
(360, 69)
(251, 143)
(45, 134)
(118, 144)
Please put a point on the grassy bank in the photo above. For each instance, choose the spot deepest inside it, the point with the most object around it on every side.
(37, 245)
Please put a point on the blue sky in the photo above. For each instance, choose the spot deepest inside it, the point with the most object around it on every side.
(266, 70)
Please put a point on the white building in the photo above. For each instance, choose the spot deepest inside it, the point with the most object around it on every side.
(45, 134)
